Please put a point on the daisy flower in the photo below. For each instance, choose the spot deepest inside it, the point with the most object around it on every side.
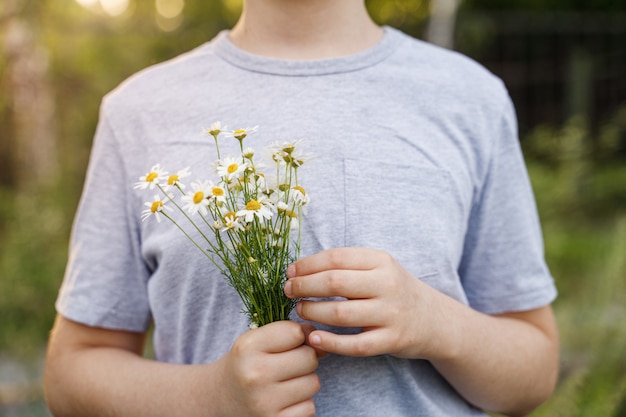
(260, 208)
(215, 129)
(217, 193)
(174, 179)
(231, 167)
(198, 199)
(282, 207)
(231, 221)
(285, 147)
(299, 196)
(248, 153)
(240, 134)
(151, 179)
(154, 207)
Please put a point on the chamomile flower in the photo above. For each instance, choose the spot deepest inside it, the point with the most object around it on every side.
(197, 200)
(230, 168)
(261, 208)
(231, 221)
(285, 147)
(249, 211)
(154, 207)
(217, 193)
(215, 129)
(240, 134)
(248, 153)
(174, 179)
(299, 196)
(290, 215)
(281, 206)
(151, 179)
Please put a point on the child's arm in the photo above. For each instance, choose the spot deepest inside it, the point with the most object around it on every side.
(96, 372)
(506, 363)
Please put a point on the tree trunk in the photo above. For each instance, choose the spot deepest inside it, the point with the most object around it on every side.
(32, 141)
(440, 29)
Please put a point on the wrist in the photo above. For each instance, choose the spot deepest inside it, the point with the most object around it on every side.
(445, 326)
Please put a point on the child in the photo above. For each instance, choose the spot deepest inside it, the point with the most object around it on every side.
(425, 285)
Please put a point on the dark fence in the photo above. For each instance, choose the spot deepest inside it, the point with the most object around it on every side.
(555, 65)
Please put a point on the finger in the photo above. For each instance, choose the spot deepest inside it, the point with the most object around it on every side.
(299, 393)
(276, 337)
(303, 409)
(301, 388)
(334, 283)
(292, 364)
(307, 328)
(368, 343)
(345, 313)
(337, 258)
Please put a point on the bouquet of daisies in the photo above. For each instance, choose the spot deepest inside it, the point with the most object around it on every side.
(245, 222)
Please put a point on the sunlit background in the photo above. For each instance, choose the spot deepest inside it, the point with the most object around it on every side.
(563, 61)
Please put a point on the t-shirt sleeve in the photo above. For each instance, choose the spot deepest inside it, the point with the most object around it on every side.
(503, 268)
(105, 279)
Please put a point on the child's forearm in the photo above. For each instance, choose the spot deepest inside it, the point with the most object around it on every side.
(506, 364)
(98, 381)
(96, 372)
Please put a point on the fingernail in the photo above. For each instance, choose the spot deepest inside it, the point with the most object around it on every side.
(287, 288)
(315, 340)
(291, 271)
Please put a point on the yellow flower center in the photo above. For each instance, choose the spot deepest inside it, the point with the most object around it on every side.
(291, 214)
(217, 191)
(230, 215)
(299, 188)
(239, 132)
(198, 197)
(152, 176)
(232, 168)
(253, 205)
(156, 206)
(172, 179)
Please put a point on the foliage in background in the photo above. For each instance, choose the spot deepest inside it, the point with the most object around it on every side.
(581, 195)
(577, 172)
(547, 5)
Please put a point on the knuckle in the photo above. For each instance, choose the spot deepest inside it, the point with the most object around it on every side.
(335, 257)
(341, 313)
(251, 377)
(242, 345)
(334, 283)
(362, 347)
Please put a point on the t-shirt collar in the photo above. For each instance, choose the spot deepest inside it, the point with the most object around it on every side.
(226, 50)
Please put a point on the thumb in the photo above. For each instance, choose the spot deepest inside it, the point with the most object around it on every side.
(307, 328)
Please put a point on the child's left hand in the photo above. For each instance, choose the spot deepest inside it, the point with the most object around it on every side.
(400, 315)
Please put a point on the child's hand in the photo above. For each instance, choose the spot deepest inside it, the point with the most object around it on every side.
(399, 314)
(270, 372)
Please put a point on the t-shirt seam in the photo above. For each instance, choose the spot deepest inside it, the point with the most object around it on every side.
(513, 294)
(217, 51)
(101, 315)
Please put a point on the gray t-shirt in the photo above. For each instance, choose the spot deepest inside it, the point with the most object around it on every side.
(416, 153)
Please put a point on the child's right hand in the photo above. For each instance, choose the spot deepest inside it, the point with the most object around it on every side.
(269, 371)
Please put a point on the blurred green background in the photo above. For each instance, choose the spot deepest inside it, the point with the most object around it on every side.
(564, 63)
